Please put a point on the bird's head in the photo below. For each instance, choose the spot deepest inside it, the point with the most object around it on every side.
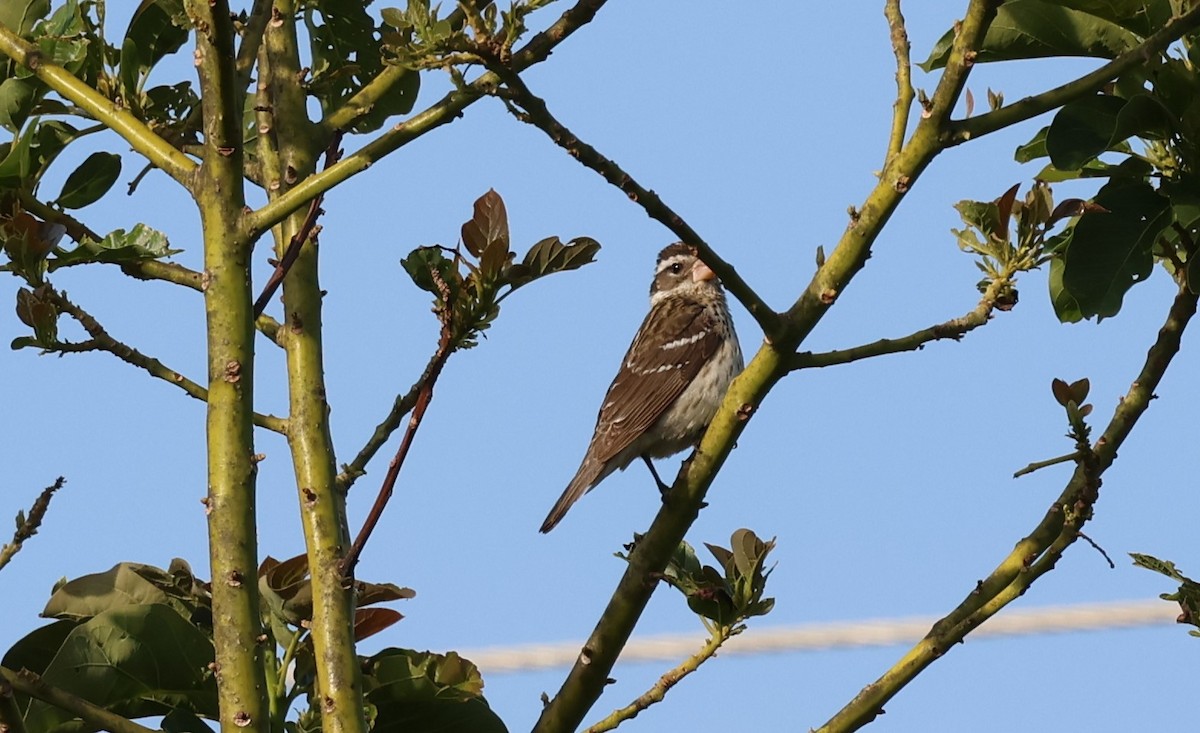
(680, 271)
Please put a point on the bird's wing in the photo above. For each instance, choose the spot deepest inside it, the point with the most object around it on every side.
(674, 342)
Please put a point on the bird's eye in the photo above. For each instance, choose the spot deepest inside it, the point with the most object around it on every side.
(676, 268)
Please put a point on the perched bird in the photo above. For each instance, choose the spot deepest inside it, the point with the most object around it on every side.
(671, 380)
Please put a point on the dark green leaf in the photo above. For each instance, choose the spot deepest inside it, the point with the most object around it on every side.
(17, 162)
(21, 15)
(397, 100)
(422, 262)
(17, 97)
(35, 650)
(371, 593)
(91, 180)
(1112, 250)
(157, 29)
(180, 720)
(1082, 130)
(1026, 29)
(135, 660)
(550, 255)
(1066, 308)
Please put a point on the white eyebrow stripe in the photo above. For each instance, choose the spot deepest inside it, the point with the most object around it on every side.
(685, 341)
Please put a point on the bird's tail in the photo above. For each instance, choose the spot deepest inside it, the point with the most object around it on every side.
(588, 475)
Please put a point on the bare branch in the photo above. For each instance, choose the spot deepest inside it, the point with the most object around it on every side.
(904, 89)
(101, 341)
(671, 678)
(533, 111)
(29, 526)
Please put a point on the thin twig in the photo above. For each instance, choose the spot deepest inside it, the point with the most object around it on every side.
(400, 407)
(447, 109)
(671, 678)
(533, 110)
(902, 107)
(1038, 465)
(101, 341)
(1112, 565)
(955, 329)
(29, 526)
(332, 153)
(445, 348)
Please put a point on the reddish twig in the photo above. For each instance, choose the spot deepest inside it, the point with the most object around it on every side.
(424, 395)
(332, 154)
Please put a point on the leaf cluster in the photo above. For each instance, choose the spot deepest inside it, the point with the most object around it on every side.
(1188, 595)
(470, 281)
(1003, 249)
(731, 592)
(137, 640)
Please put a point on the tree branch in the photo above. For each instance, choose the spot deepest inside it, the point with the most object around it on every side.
(955, 329)
(424, 395)
(1036, 554)
(589, 675)
(659, 691)
(33, 685)
(960, 131)
(101, 341)
(28, 527)
(537, 114)
(139, 136)
(902, 107)
(445, 110)
(400, 407)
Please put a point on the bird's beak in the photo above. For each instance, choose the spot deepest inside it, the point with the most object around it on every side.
(702, 272)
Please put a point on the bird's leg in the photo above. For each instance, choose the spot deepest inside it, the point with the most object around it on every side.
(662, 488)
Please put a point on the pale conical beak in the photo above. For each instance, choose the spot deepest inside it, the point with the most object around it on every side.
(702, 272)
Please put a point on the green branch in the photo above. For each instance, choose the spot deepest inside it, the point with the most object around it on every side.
(30, 684)
(902, 107)
(1037, 553)
(671, 678)
(28, 527)
(955, 329)
(960, 131)
(139, 136)
(219, 191)
(402, 405)
(537, 114)
(447, 109)
(101, 341)
(649, 557)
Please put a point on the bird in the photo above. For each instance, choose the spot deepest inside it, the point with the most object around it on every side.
(671, 381)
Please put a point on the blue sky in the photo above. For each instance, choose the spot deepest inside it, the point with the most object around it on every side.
(887, 483)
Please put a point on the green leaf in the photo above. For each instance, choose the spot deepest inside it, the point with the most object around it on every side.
(17, 97)
(21, 15)
(1110, 250)
(549, 256)
(35, 650)
(16, 165)
(422, 262)
(36, 310)
(135, 660)
(1082, 130)
(90, 595)
(423, 691)
(1027, 29)
(157, 29)
(1066, 308)
(91, 180)
(141, 243)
